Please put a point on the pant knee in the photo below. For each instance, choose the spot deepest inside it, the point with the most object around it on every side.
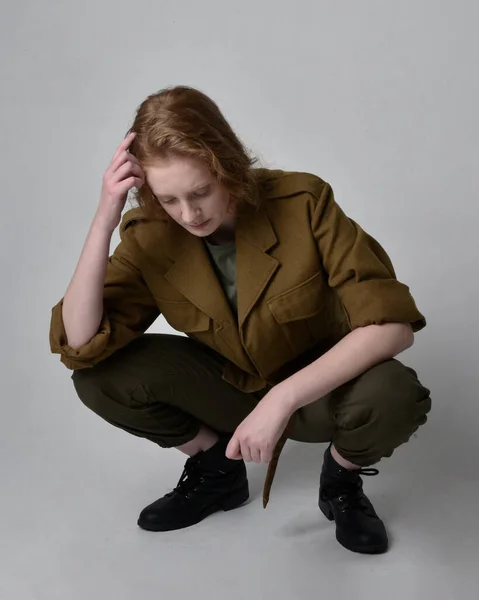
(128, 403)
(102, 391)
(399, 400)
(87, 388)
(386, 406)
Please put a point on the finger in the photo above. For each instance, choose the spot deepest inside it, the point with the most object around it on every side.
(123, 159)
(126, 185)
(137, 171)
(132, 158)
(124, 144)
(233, 449)
(256, 455)
(266, 456)
(135, 182)
(128, 169)
(245, 452)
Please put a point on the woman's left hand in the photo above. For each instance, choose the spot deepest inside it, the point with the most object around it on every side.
(256, 437)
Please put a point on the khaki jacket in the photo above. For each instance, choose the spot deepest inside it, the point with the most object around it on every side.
(306, 276)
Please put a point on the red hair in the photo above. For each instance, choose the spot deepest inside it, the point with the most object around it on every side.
(184, 121)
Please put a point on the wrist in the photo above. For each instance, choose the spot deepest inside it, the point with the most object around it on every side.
(281, 395)
(101, 226)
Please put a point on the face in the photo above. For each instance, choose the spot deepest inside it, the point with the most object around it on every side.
(190, 194)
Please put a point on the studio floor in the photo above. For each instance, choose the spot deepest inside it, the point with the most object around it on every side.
(69, 509)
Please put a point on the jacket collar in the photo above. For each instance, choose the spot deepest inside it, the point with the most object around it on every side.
(193, 275)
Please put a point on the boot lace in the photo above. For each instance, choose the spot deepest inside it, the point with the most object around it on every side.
(348, 492)
(190, 478)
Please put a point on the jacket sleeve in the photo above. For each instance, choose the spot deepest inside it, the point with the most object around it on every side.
(359, 269)
(128, 310)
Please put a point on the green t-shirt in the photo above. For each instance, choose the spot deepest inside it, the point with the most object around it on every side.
(224, 258)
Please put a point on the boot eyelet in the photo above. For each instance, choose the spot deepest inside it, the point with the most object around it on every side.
(202, 479)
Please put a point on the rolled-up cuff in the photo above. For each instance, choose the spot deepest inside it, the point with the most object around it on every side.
(380, 301)
(86, 355)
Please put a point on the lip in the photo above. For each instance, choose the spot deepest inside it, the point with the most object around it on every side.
(201, 224)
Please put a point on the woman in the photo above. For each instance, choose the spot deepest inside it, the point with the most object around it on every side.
(293, 315)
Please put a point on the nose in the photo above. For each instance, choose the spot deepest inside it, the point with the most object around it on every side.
(189, 215)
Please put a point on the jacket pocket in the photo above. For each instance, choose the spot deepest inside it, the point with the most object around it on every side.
(301, 302)
(184, 316)
(298, 311)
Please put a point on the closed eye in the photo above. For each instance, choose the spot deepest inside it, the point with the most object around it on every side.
(201, 193)
(198, 194)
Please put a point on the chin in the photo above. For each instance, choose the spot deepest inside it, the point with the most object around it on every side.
(202, 233)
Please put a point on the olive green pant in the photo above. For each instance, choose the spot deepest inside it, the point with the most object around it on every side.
(163, 387)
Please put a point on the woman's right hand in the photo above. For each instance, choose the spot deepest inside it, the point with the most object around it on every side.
(123, 173)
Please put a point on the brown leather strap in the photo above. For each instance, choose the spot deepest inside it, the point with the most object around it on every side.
(274, 462)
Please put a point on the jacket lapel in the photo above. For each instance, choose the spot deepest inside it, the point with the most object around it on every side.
(254, 268)
(193, 275)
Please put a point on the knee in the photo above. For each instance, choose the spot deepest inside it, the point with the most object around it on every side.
(104, 390)
(114, 387)
(394, 395)
(88, 386)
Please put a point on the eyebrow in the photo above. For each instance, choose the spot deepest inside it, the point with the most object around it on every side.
(196, 189)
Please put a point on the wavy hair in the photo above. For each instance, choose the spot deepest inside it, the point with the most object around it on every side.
(184, 121)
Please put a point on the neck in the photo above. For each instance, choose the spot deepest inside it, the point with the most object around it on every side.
(225, 233)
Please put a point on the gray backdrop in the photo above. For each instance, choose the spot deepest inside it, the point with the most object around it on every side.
(380, 99)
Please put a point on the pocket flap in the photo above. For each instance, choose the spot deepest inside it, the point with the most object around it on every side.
(301, 302)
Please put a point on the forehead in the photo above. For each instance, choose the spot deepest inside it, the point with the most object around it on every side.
(177, 175)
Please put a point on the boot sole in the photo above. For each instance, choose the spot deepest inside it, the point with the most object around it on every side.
(328, 513)
(234, 500)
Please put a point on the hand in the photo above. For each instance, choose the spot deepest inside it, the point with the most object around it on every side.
(123, 173)
(256, 437)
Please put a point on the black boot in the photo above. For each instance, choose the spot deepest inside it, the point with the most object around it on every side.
(341, 497)
(210, 482)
